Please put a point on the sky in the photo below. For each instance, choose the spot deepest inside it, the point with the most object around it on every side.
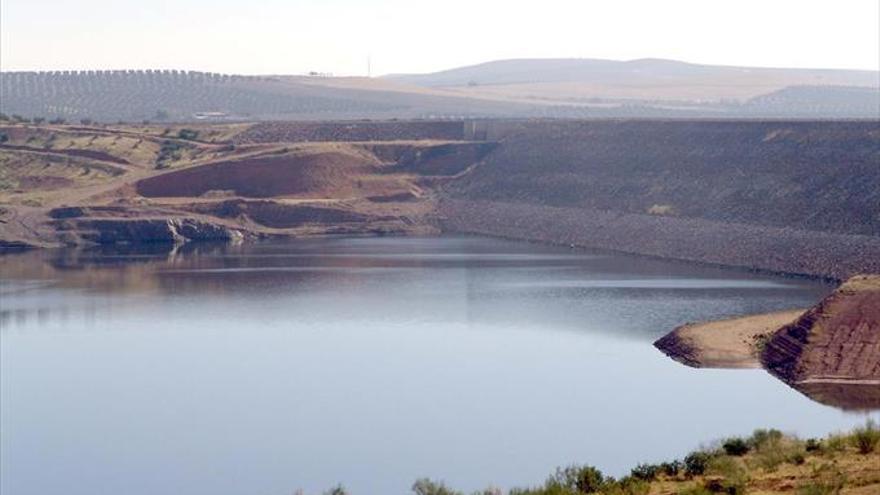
(410, 36)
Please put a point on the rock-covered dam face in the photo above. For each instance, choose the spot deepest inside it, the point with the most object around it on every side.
(797, 197)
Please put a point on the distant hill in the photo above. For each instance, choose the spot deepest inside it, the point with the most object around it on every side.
(552, 88)
(641, 72)
(819, 100)
(667, 84)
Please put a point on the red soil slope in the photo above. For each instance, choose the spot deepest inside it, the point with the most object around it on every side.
(265, 176)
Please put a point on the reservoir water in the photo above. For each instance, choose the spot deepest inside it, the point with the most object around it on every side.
(268, 368)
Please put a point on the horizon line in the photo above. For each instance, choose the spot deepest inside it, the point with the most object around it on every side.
(401, 74)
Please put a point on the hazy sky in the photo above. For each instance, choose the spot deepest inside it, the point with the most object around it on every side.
(295, 36)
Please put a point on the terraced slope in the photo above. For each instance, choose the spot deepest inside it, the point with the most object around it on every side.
(836, 341)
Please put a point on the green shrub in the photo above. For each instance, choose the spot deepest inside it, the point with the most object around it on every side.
(772, 449)
(770, 457)
(865, 438)
(646, 472)
(188, 134)
(336, 490)
(628, 485)
(578, 479)
(492, 490)
(763, 437)
(736, 446)
(835, 443)
(695, 463)
(425, 486)
(169, 151)
(813, 445)
(732, 472)
(671, 468)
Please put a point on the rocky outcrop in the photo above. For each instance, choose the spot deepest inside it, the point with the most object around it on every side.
(162, 230)
(837, 341)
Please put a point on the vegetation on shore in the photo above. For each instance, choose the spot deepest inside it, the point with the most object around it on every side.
(766, 462)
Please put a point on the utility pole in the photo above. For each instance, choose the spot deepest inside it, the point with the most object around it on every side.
(369, 66)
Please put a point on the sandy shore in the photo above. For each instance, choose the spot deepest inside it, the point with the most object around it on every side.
(731, 343)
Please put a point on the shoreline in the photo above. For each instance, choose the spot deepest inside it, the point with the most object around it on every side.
(728, 343)
(823, 255)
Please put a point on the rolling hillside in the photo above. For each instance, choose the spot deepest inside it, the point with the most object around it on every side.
(653, 78)
(505, 89)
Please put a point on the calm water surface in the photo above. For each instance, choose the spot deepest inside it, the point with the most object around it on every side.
(261, 369)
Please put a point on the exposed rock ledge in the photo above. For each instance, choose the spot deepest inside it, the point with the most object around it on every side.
(168, 230)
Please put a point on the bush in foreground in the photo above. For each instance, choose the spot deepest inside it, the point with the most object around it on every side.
(815, 468)
(866, 438)
(736, 446)
(425, 486)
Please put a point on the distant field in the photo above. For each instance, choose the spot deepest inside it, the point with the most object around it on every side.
(504, 89)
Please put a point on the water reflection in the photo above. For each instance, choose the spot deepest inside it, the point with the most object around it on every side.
(851, 397)
(51, 285)
(366, 361)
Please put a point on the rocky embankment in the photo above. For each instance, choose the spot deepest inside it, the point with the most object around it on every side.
(754, 247)
(794, 197)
